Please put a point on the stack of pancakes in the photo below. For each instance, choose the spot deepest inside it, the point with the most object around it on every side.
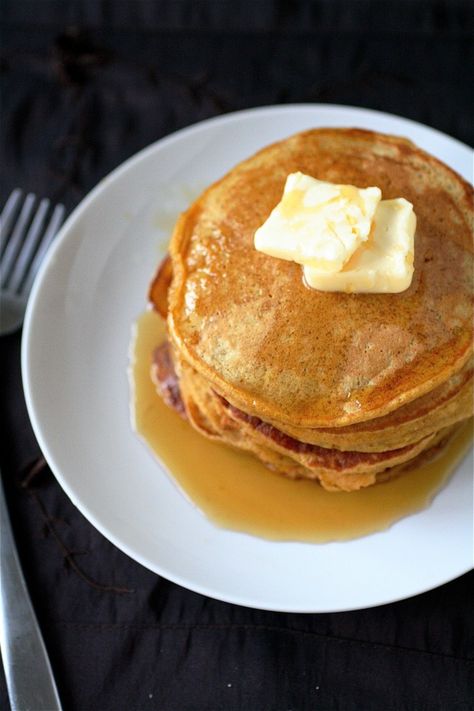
(347, 389)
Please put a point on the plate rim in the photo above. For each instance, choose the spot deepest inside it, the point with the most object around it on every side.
(26, 346)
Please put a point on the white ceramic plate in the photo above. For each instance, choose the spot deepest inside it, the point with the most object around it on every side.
(74, 359)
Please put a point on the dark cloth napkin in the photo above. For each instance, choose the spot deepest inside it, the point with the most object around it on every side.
(86, 84)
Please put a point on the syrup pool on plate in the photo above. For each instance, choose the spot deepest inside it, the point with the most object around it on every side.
(235, 491)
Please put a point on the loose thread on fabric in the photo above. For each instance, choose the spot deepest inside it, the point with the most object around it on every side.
(32, 471)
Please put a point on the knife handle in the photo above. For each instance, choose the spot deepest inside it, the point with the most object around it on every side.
(28, 673)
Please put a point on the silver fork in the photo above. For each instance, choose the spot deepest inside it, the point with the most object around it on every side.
(26, 233)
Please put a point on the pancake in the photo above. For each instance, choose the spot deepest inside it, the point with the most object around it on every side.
(217, 419)
(308, 359)
(449, 403)
(345, 389)
(446, 405)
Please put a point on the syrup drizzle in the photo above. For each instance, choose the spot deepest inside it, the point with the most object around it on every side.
(235, 491)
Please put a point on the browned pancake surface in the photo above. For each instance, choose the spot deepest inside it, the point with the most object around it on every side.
(215, 418)
(294, 355)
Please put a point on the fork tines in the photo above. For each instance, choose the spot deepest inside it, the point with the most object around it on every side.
(27, 227)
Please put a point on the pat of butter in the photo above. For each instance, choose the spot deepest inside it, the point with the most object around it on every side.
(384, 263)
(318, 224)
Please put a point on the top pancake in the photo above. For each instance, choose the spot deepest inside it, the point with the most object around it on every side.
(290, 354)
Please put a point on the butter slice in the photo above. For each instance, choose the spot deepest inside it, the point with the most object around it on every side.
(384, 263)
(318, 224)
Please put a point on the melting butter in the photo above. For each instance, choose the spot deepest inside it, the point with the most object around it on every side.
(347, 239)
(318, 223)
(383, 264)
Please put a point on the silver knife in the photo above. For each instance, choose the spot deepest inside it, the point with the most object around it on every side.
(28, 673)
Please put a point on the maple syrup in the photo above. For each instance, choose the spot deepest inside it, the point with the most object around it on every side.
(235, 491)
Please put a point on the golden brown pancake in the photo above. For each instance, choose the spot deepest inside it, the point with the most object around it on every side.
(446, 405)
(298, 356)
(217, 419)
(343, 388)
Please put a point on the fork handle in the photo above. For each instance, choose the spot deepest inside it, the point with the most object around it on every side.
(28, 673)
